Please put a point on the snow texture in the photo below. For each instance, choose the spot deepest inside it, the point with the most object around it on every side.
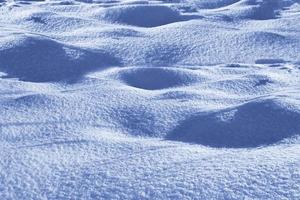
(138, 99)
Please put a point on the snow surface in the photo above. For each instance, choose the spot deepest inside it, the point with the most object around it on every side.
(136, 99)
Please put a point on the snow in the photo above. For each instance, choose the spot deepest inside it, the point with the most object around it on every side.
(131, 99)
(140, 15)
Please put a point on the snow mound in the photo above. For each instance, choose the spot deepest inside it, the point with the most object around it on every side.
(211, 4)
(157, 78)
(249, 84)
(35, 100)
(140, 15)
(259, 9)
(253, 124)
(48, 21)
(38, 59)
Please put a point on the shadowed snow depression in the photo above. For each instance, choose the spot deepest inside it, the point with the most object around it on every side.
(142, 99)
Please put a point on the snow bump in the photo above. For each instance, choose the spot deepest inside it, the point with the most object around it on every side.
(253, 124)
(140, 15)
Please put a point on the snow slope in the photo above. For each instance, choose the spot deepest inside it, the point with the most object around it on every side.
(136, 99)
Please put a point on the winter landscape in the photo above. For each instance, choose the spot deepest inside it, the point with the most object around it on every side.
(141, 99)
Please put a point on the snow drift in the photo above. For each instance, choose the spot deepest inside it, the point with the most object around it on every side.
(138, 99)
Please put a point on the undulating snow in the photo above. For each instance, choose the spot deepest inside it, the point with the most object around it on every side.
(138, 99)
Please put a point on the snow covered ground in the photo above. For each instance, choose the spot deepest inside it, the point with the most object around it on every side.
(137, 99)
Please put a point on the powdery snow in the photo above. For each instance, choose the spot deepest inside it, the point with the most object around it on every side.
(134, 99)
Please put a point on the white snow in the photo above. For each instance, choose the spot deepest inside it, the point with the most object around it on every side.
(136, 99)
